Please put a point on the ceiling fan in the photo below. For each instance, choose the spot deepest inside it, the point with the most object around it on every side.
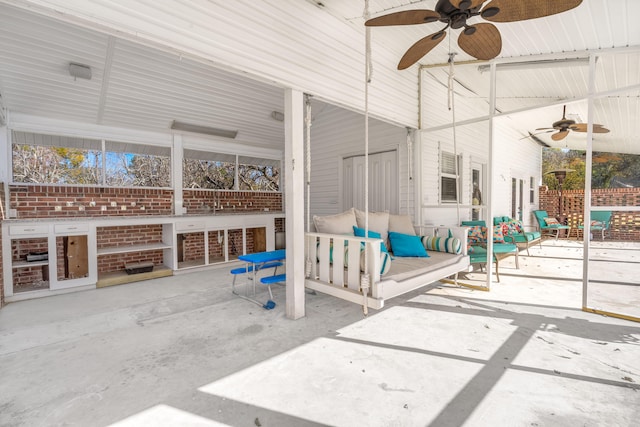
(564, 125)
(480, 40)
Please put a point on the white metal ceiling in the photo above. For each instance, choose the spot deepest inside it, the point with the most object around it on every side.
(143, 88)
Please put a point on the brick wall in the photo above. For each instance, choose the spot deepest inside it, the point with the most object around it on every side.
(193, 247)
(25, 277)
(625, 225)
(52, 201)
(56, 201)
(123, 236)
(208, 201)
(116, 262)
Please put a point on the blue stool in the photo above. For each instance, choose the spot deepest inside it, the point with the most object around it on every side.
(268, 280)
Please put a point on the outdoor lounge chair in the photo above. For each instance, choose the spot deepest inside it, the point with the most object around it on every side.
(477, 246)
(549, 225)
(600, 221)
(514, 232)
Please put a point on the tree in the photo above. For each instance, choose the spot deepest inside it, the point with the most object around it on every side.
(208, 174)
(55, 165)
(608, 169)
(150, 171)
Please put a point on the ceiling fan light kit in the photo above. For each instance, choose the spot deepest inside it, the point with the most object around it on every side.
(480, 40)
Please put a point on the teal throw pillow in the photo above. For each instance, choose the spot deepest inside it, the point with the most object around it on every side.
(405, 245)
(359, 232)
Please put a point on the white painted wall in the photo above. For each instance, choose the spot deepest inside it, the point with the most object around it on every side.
(337, 133)
(515, 158)
(472, 144)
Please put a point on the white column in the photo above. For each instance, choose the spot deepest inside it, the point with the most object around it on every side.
(177, 155)
(6, 174)
(293, 168)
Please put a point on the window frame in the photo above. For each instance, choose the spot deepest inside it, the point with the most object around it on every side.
(442, 175)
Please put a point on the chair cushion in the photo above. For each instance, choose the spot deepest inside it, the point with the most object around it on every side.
(528, 236)
(498, 235)
(500, 219)
(504, 248)
(511, 226)
(477, 235)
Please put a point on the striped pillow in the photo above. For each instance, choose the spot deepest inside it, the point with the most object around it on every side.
(385, 262)
(450, 245)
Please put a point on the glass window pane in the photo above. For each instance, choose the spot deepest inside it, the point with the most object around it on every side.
(56, 165)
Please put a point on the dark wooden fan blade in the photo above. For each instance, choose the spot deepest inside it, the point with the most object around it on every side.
(547, 129)
(466, 4)
(407, 17)
(420, 49)
(582, 127)
(520, 10)
(484, 43)
(560, 135)
(579, 127)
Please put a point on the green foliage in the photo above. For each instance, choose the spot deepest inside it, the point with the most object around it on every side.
(608, 169)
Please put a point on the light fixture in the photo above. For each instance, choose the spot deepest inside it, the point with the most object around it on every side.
(277, 115)
(531, 65)
(79, 71)
(187, 127)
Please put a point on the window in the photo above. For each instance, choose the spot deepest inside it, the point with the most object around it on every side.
(55, 159)
(448, 189)
(134, 165)
(532, 190)
(202, 169)
(477, 189)
(258, 174)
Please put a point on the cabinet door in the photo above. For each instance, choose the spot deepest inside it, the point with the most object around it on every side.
(76, 261)
(70, 258)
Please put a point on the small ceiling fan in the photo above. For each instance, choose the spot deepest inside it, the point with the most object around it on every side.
(564, 125)
(480, 40)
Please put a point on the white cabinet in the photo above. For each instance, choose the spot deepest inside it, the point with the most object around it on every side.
(67, 255)
(123, 243)
(42, 257)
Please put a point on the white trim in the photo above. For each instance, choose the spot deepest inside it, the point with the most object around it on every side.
(29, 123)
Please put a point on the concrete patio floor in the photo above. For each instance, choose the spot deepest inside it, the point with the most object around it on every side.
(183, 350)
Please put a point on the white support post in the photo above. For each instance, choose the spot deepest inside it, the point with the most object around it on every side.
(294, 201)
(5, 169)
(492, 157)
(177, 155)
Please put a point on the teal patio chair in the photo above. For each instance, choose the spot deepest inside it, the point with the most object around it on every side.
(518, 235)
(600, 221)
(549, 225)
(477, 248)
